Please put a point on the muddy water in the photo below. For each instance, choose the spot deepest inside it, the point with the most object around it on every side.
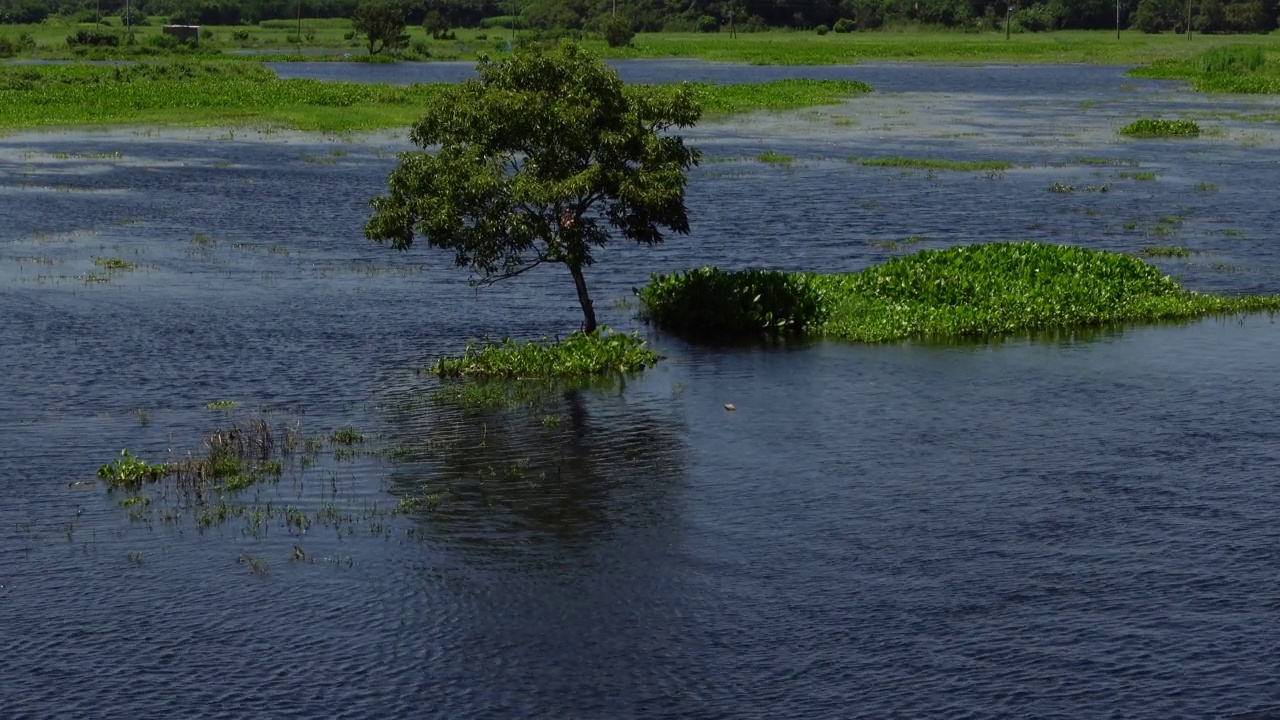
(1070, 526)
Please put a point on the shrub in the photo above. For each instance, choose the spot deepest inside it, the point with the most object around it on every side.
(617, 31)
(714, 303)
(93, 38)
(12, 46)
(481, 37)
(822, 29)
(707, 24)
(240, 35)
(435, 24)
(844, 25)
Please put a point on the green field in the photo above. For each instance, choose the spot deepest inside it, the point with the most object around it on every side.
(238, 94)
(778, 47)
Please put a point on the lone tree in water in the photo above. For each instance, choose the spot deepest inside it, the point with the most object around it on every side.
(541, 160)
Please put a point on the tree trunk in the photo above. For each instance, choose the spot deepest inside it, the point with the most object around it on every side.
(588, 312)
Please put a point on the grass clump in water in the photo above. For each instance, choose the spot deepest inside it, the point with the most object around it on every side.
(1151, 127)
(966, 291)
(235, 458)
(578, 356)
(1166, 251)
(934, 164)
(772, 158)
(114, 263)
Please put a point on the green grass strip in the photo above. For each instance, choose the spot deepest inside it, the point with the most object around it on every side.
(579, 356)
(236, 94)
(966, 291)
(934, 164)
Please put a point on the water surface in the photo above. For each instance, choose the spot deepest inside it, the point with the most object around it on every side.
(1068, 526)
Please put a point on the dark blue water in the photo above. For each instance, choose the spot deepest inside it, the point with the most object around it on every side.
(1070, 526)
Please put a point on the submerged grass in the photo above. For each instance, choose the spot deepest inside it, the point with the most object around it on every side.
(227, 93)
(934, 164)
(1153, 127)
(966, 291)
(578, 356)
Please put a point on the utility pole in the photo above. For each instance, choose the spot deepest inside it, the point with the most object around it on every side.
(1188, 20)
(1008, 13)
(299, 35)
(615, 8)
(1117, 19)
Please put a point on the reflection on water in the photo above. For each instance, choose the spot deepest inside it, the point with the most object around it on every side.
(1067, 525)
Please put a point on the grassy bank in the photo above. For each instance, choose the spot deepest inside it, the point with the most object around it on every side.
(966, 291)
(327, 40)
(1229, 69)
(191, 93)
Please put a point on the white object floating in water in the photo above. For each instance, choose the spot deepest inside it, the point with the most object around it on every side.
(730, 407)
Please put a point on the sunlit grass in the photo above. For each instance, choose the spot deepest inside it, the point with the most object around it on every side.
(965, 291)
(216, 94)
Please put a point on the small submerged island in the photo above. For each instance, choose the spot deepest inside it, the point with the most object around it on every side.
(978, 290)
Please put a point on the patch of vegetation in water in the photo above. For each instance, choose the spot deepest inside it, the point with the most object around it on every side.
(113, 263)
(965, 291)
(776, 95)
(236, 457)
(934, 164)
(1156, 128)
(1144, 176)
(1166, 251)
(1227, 69)
(772, 158)
(580, 355)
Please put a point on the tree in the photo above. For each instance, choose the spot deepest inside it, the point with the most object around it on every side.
(541, 160)
(382, 24)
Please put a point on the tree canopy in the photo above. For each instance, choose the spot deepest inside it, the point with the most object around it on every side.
(541, 160)
(382, 22)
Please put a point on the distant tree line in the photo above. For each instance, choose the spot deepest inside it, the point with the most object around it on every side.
(1209, 16)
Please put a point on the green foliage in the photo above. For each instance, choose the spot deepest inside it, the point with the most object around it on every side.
(776, 95)
(822, 29)
(844, 25)
(14, 46)
(346, 436)
(114, 263)
(85, 37)
(540, 161)
(770, 157)
(970, 290)
(1232, 59)
(382, 24)
(935, 164)
(129, 473)
(579, 356)
(617, 31)
(713, 303)
(1150, 128)
(1167, 251)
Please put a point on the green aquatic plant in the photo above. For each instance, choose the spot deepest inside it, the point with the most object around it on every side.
(578, 356)
(965, 291)
(708, 302)
(772, 158)
(129, 473)
(1140, 176)
(346, 436)
(221, 405)
(1166, 251)
(934, 164)
(1207, 187)
(1155, 128)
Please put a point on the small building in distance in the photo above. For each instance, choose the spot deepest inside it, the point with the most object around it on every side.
(184, 33)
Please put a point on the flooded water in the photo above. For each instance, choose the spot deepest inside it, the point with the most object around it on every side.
(1072, 526)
